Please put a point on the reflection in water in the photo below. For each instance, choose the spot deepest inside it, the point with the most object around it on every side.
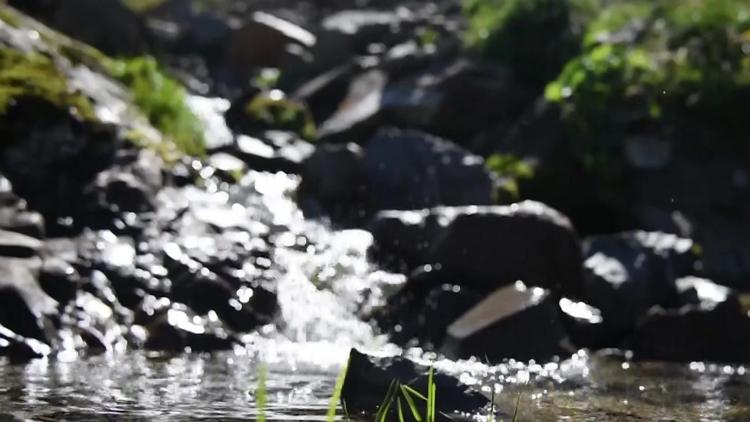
(221, 386)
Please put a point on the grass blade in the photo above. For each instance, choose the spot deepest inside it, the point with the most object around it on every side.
(385, 406)
(410, 402)
(400, 410)
(261, 393)
(336, 396)
(413, 392)
(431, 395)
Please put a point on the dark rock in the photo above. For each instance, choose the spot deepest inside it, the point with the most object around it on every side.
(424, 307)
(324, 93)
(412, 170)
(359, 114)
(21, 349)
(18, 245)
(495, 246)
(334, 181)
(402, 239)
(368, 379)
(243, 53)
(273, 151)
(493, 328)
(719, 333)
(59, 279)
(112, 28)
(176, 329)
(350, 32)
(22, 221)
(627, 274)
(585, 325)
(24, 307)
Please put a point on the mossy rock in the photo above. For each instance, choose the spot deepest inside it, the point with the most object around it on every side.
(272, 110)
(533, 37)
(678, 70)
(33, 75)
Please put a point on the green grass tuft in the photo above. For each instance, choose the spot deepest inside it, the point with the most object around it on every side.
(393, 400)
(163, 101)
(261, 399)
(336, 396)
(272, 110)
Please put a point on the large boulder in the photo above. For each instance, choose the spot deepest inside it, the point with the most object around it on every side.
(628, 273)
(369, 379)
(486, 247)
(493, 329)
(710, 325)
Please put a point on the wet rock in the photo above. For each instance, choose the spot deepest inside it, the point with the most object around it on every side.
(402, 239)
(493, 327)
(112, 28)
(422, 310)
(412, 170)
(359, 114)
(368, 379)
(585, 325)
(716, 333)
(59, 279)
(18, 245)
(273, 151)
(627, 274)
(334, 181)
(324, 93)
(175, 330)
(24, 307)
(124, 192)
(350, 32)
(18, 220)
(243, 53)
(227, 166)
(21, 349)
(497, 245)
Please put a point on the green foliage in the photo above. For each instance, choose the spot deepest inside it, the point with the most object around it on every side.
(272, 110)
(666, 64)
(509, 169)
(142, 5)
(163, 101)
(33, 75)
(533, 37)
(261, 400)
(336, 396)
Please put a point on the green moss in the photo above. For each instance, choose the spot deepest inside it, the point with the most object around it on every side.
(532, 37)
(271, 110)
(661, 66)
(163, 101)
(510, 169)
(32, 75)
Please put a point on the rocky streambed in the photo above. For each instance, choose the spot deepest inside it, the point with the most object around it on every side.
(374, 187)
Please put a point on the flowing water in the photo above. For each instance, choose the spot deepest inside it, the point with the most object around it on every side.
(325, 284)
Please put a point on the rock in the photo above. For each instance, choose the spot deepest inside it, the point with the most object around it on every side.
(59, 279)
(124, 192)
(324, 93)
(412, 170)
(704, 293)
(350, 32)
(585, 325)
(334, 181)
(539, 137)
(368, 379)
(627, 274)
(403, 240)
(719, 333)
(112, 28)
(18, 245)
(245, 52)
(273, 151)
(497, 245)
(493, 328)
(18, 220)
(359, 114)
(21, 349)
(176, 329)
(24, 307)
